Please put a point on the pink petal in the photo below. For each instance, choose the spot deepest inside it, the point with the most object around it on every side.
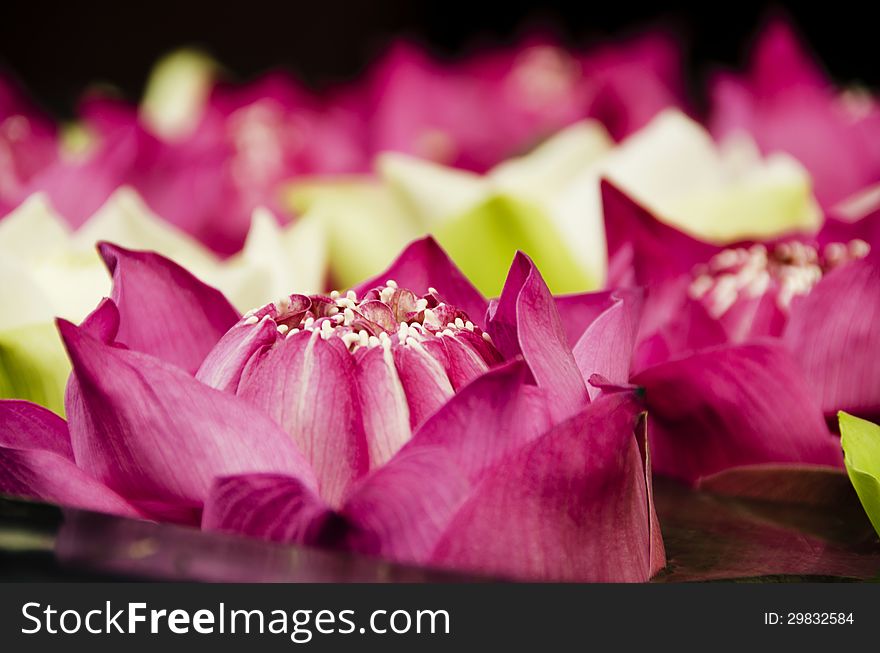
(578, 311)
(224, 364)
(156, 435)
(488, 420)
(732, 406)
(386, 414)
(638, 241)
(424, 264)
(572, 506)
(606, 347)
(833, 333)
(36, 461)
(306, 384)
(525, 321)
(165, 311)
(424, 380)
(268, 506)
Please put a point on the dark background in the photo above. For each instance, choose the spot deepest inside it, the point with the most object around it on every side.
(56, 50)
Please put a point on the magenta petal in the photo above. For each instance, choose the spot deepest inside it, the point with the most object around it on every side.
(267, 506)
(30, 427)
(525, 321)
(833, 333)
(577, 312)
(424, 380)
(156, 435)
(165, 311)
(424, 264)
(638, 241)
(36, 461)
(606, 347)
(572, 506)
(103, 322)
(386, 415)
(305, 384)
(401, 510)
(488, 420)
(733, 406)
(224, 364)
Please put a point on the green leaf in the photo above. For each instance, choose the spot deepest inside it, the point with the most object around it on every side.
(34, 366)
(861, 444)
(483, 241)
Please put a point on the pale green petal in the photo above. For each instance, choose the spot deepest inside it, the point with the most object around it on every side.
(432, 192)
(674, 167)
(554, 164)
(33, 230)
(274, 262)
(365, 225)
(127, 221)
(22, 300)
(483, 242)
(861, 444)
(176, 93)
(34, 365)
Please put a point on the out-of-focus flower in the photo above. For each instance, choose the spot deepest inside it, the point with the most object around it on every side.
(406, 418)
(50, 271)
(786, 103)
(861, 443)
(28, 143)
(203, 155)
(746, 351)
(487, 108)
(547, 203)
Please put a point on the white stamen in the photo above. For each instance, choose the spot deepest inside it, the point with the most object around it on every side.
(432, 290)
(447, 332)
(334, 294)
(421, 305)
(351, 296)
(292, 332)
(253, 319)
(487, 337)
(391, 283)
(363, 338)
(348, 317)
(309, 322)
(333, 310)
(350, 338)
(858, 248)
(430, 319)
(459, 323)
(283, 328)
(373, 341)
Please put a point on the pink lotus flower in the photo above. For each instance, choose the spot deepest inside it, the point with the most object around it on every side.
(207, 181)
(401, 419)
(479, 112)
(746, 351)
(787, 103)
(28, 143)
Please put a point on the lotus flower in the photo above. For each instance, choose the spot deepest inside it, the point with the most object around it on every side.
(861, 442)
(747, 351)
(383, 420)
(203, 155)
(47, 270)
(474, 114)
(787, 104)
(28, 143)
(547, 203)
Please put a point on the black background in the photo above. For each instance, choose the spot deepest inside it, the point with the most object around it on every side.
(57, 49)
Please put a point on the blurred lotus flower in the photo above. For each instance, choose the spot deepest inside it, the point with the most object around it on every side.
(547, 202)
(399, 419)
(861, 443)
(28, 143)
(203, 155)
(747, 351)
(788, 104)
(49, 271)
(490, 107)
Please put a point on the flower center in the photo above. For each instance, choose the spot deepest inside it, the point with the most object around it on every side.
(384, 316)
(785, 271)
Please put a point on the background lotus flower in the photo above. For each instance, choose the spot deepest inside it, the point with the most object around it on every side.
(861, 442)
(788, 104)
(367, 421)
(28, 143)
(476, 113)
(547, 202)
(731, 343)
(50, 271)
